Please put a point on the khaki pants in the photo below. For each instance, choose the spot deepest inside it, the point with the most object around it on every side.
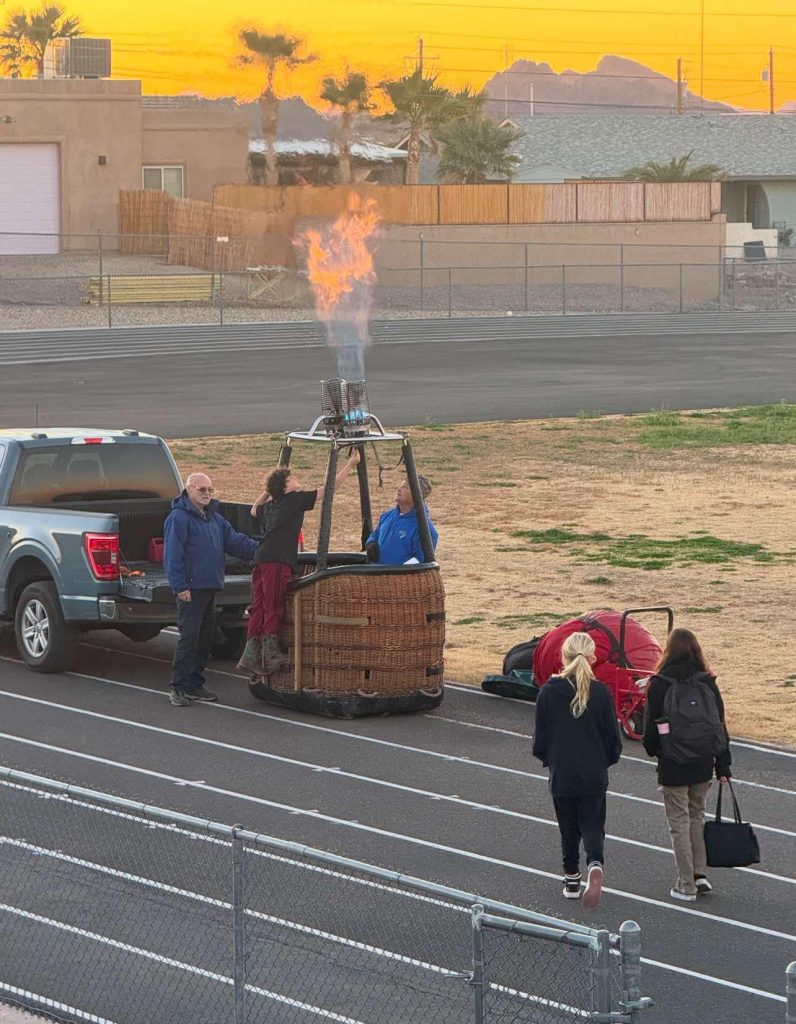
(685, 812)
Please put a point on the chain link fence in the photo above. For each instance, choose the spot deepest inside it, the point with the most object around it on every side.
(113, 911)
(115, 281)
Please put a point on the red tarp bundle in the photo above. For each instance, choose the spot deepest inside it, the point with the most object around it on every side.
(642, 650)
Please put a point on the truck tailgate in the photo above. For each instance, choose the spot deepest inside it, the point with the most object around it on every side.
(154, 587)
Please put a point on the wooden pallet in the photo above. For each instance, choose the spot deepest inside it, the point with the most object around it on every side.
(153, 289)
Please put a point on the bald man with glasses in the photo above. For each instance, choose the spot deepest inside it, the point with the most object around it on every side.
(197, 537)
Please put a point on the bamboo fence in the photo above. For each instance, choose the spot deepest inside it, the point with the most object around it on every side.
(597, 202)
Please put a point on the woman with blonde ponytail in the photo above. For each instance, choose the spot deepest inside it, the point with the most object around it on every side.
(577, 738)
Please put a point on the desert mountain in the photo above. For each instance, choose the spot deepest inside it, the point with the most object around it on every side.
(616, 84)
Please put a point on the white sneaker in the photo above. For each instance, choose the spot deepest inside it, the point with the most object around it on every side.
(594, 886)
(685, 897)
(571, 888)
(703, 886)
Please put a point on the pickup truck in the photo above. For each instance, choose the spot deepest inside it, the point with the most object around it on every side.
(78, 510)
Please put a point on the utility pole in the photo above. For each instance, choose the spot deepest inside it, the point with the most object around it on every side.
(702, 54)
(420, 56)
(506, 82)
(771, 80)
(680, 96)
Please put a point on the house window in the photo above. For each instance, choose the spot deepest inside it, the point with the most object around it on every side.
(164, 179)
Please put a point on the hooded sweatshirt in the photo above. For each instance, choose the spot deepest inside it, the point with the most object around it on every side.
(195, 545)
(398, 536)
(578, 751)
(673, 773)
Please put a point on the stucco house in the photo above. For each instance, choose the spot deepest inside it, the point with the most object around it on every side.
(68, 146)
(757, 152)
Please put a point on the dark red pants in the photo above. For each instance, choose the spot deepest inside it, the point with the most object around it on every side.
(269, 584)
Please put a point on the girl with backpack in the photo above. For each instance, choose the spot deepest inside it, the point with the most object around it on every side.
(577, 737)
(684, 728)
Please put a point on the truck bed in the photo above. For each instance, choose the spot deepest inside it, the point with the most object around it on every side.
(154, 588)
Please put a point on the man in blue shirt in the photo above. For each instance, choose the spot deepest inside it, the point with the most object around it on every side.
(396, 538)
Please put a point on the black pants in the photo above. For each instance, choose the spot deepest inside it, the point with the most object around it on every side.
(581, 817)
(196, 621)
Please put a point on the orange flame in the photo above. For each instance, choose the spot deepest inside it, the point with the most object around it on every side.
(340, 263)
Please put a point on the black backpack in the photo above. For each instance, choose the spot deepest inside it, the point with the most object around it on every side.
(695, 727)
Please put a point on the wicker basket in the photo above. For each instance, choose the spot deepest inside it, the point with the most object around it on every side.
(363, 640)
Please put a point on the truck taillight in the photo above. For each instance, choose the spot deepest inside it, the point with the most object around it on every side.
(102, 552)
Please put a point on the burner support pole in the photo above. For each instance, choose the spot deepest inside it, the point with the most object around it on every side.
(325, 530)
(364, 495)
(420, 506)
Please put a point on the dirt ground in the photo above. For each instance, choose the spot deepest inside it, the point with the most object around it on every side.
(542, 520)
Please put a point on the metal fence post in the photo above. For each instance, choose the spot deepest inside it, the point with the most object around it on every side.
(630, 949)
(476, 915)
(776, 285)
(601, 972)
(99, 261)
(221, 297)
(238, 926)
(681, 287)
(450, 286)
(563, 289)
(526, 277)
(110, 304)
(422, 268)
(790, 993)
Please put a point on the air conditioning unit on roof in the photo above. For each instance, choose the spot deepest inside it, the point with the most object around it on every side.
(79, 57)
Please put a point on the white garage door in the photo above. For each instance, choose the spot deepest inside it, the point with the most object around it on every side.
(29, 198)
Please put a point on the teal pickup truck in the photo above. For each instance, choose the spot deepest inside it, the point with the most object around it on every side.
(81, 516)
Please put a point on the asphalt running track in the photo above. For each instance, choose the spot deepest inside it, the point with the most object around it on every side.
(187, 389)
(453, 796)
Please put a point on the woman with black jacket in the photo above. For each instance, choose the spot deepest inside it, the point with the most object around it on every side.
(577, 737)
(685, 782)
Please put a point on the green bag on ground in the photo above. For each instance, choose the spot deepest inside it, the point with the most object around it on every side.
(519, 684)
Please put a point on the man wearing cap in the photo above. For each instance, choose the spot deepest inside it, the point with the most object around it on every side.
(396, 538)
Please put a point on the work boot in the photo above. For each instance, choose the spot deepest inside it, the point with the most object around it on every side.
(252, 657)
(273, 658)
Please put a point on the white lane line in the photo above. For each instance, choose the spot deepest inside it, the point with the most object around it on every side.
(147, 954)
(354, 776)
(388, 834)
(181, 830)
(474, 690)
(716, 981)
(280, 922)
(625, 757)
(51, 1004)
(452, 758)
(324, 870)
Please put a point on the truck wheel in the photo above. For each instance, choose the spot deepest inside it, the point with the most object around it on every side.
(45, 641)
(228, 643)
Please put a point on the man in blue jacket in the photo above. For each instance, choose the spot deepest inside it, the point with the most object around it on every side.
(396, 538)
(196, 539)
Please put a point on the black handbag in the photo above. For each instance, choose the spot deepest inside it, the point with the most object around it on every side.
(730, 844)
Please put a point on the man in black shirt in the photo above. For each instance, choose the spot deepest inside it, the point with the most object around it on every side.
(275, 561)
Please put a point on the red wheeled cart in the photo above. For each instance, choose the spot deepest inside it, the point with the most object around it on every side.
(627, 654)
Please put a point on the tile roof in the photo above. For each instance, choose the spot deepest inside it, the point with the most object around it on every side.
(743, 145)
(362, 150)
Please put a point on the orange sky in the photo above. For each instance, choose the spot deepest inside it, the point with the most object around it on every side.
(183, 46)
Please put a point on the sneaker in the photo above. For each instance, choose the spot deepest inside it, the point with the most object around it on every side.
(203, 695)
(594, 886)
(178, 699)
(572, 887)
(703, 886)
(677, 893)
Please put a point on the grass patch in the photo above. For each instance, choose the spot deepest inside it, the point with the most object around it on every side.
(599, 581)
(750, 425)
(535, 619)
(498, 483)
(713, 609)
(637, 551)
(469, 620)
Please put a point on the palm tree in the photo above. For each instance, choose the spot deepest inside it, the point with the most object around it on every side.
(25, 37)
(475, 149)
(351, 95)
(677, 169)
(272, 52)
(419, 102)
